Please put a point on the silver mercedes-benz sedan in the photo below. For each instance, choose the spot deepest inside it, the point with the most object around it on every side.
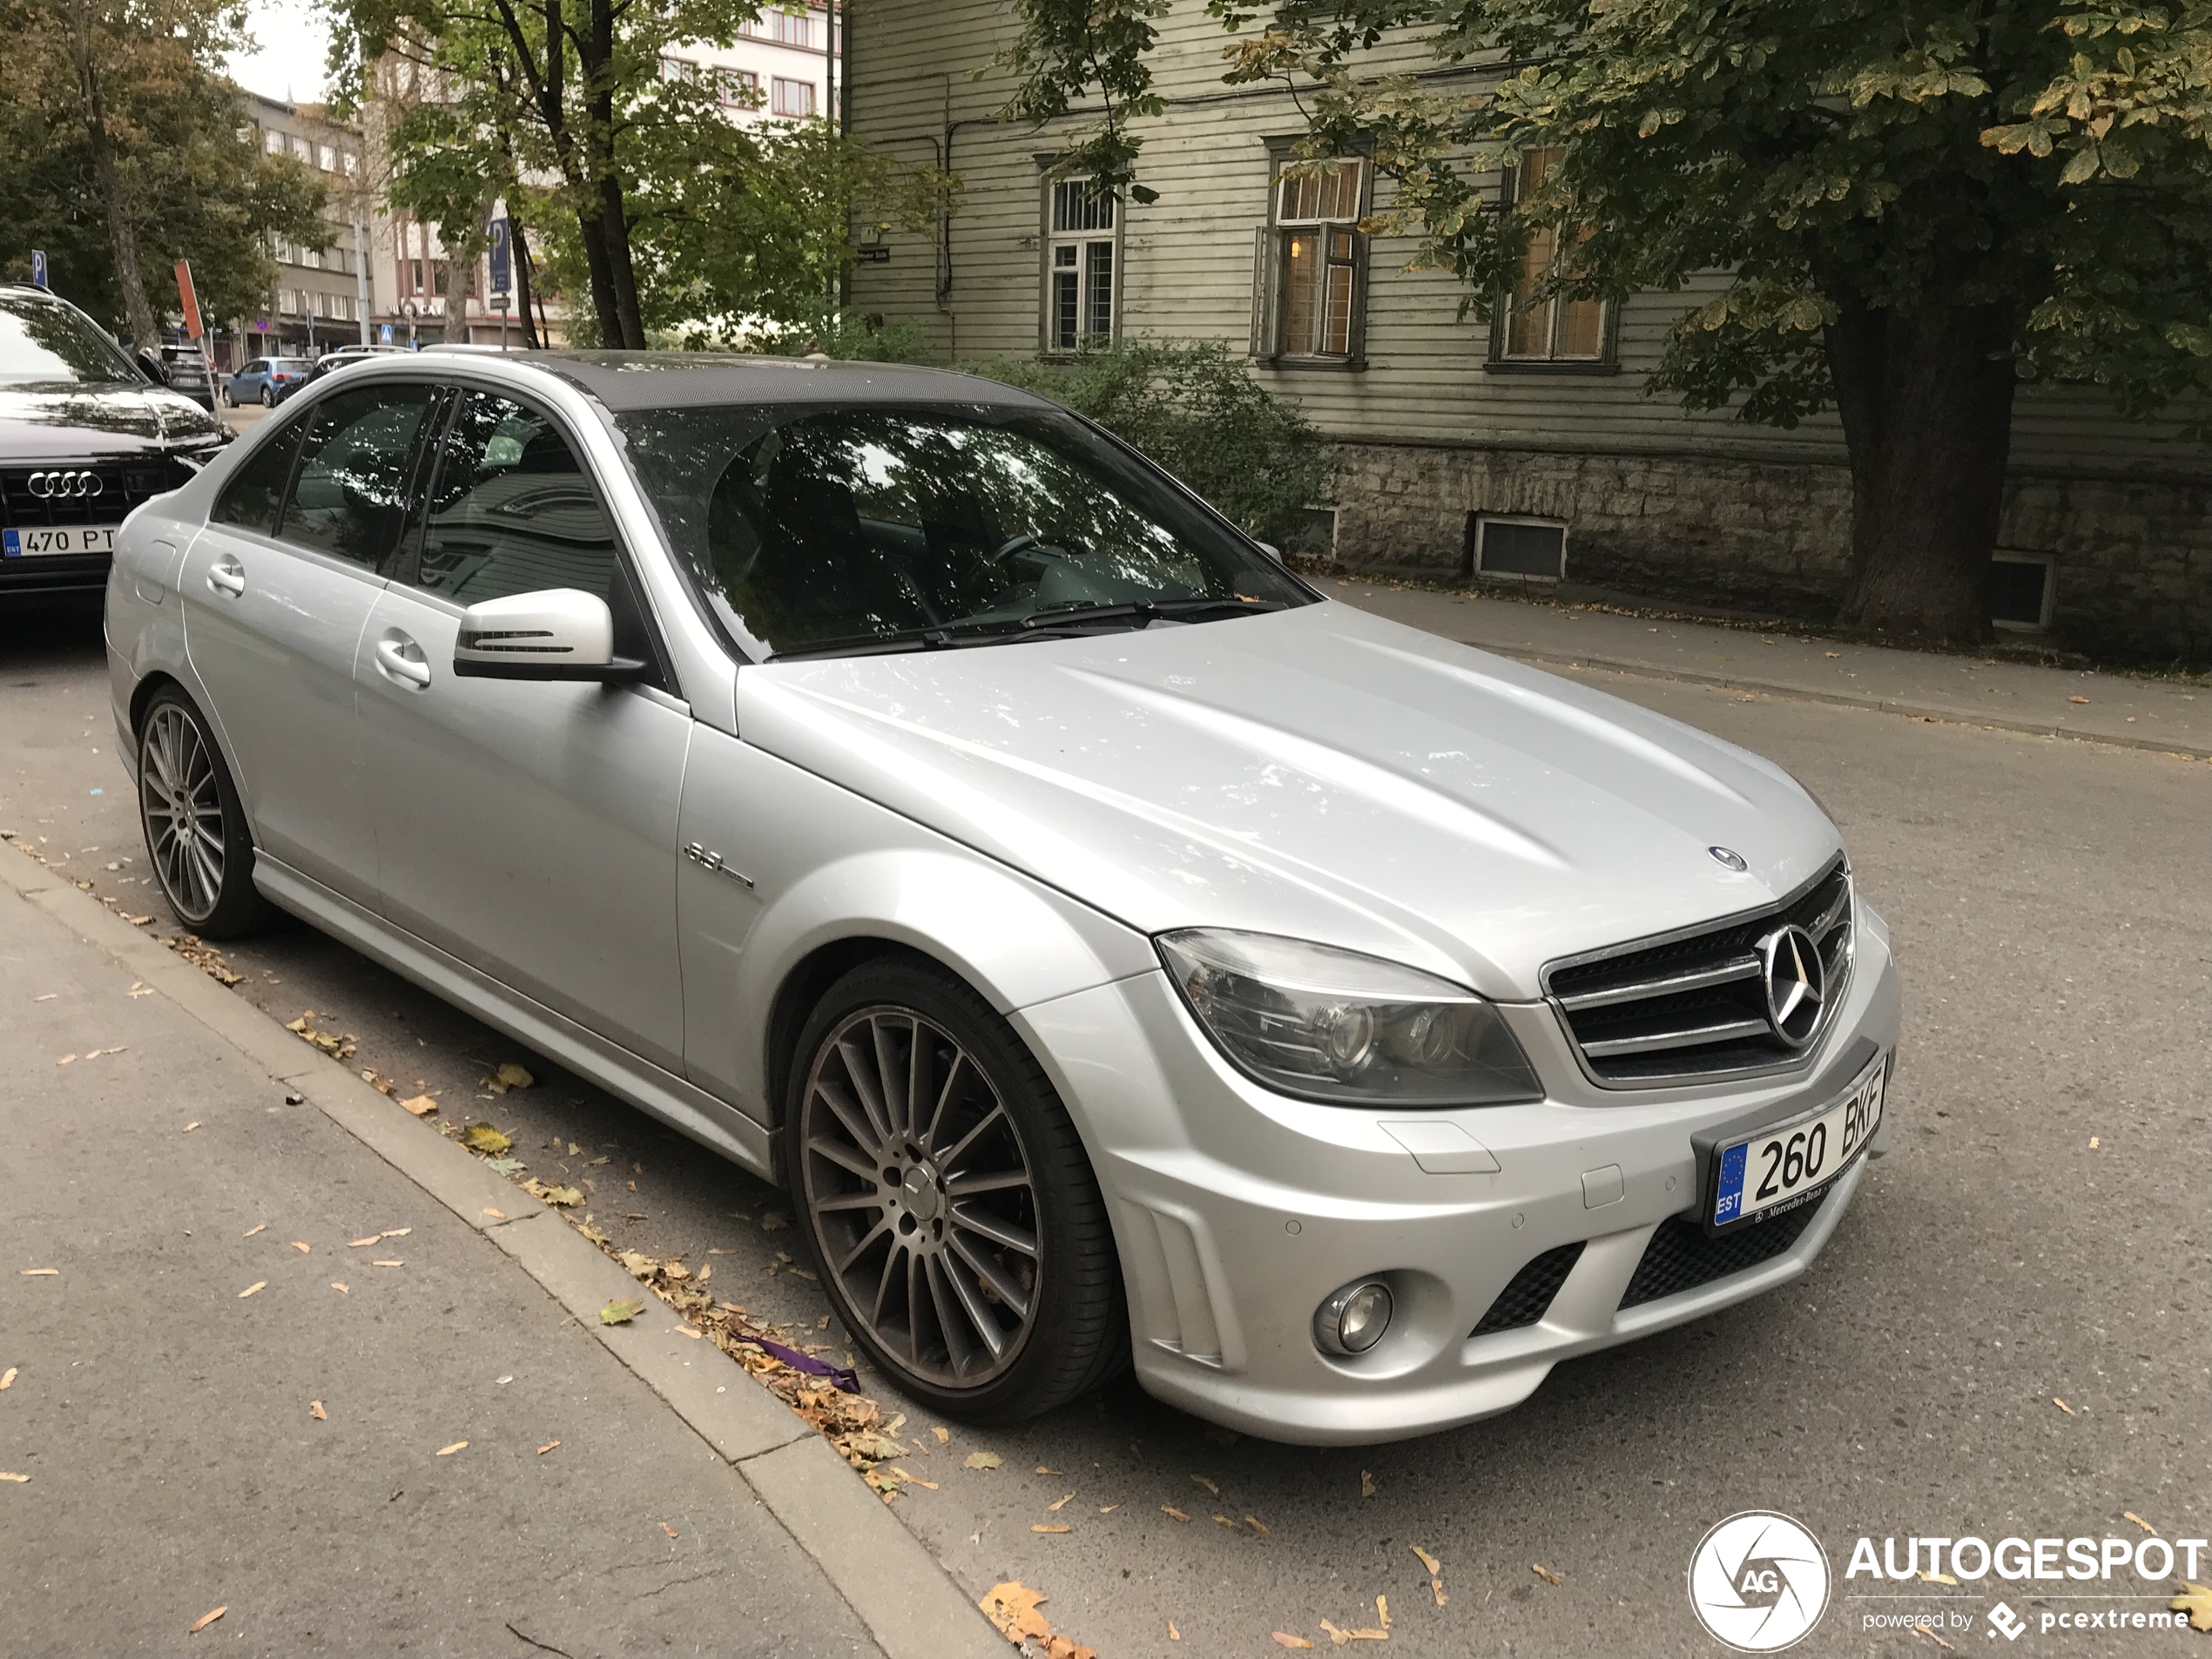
(1123, 953)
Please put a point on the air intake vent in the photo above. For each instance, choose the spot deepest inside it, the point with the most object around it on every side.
(1693, 1006)
(1682, 1256)
(1529, 1297)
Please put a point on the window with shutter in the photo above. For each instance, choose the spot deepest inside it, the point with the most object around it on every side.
(1318, 256)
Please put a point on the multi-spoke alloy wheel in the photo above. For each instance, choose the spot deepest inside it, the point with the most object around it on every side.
(184, 813)
(196, 833)
(945, 1193)
(922, 1194)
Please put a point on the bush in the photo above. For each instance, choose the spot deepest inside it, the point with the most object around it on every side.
(1197, 411)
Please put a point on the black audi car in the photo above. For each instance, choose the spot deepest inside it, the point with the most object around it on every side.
(87, 433)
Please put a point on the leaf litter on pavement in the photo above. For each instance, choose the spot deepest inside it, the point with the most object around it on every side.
(1012, 1607)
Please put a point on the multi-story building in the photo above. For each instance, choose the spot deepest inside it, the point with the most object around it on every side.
(781, 66)
(322, 296)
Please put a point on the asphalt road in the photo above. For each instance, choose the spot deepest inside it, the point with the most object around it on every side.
(2039, 1230)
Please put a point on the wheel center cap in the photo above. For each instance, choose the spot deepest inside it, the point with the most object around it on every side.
(918, 1188)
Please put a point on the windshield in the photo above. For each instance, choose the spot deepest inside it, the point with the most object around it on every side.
(43, 343)
(820, 529)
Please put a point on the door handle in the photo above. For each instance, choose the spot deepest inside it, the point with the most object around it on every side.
(227, 576)
(399, 658)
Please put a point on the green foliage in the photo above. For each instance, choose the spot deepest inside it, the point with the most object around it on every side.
(1194, 410)
(191, 186)
(1065, 48)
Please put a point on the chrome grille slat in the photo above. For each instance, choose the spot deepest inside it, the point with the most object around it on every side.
(1684, 1037)
(1690, 1007)
(1737, 968)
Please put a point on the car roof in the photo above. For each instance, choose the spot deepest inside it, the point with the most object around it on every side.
(624, 380)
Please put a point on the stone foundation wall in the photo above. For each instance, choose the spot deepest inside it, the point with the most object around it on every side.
(2133, 559)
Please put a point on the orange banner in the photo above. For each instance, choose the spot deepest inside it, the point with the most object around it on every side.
(190, 299)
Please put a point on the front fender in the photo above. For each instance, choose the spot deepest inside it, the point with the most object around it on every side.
(826, 866)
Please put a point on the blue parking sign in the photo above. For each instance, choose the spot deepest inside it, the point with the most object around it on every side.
(502, 257)
(38, 266)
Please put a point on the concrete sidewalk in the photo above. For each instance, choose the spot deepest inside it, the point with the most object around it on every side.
(187, 1202)
(2164, 715)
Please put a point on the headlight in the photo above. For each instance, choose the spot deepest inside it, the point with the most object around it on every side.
(1331, 1025)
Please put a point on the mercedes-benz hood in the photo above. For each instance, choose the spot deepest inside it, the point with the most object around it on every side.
(1318, 772)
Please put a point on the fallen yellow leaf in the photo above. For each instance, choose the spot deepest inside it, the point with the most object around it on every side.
(1940, 1578)
(395, 1232)
(189, 1127)
(420, 1105)
(1108, 1508)
(1284, 1638)
(40, 1272)
(250, 1232)
(670, 1530)
(496, 1215)
(2063, 1407)
(1174, 1634)
(981, 1460)
(448, 1451)
(1172, 1513)
(387, 1264)
(207, 1618)
(351, 1244)
(1258, 1526)
(335, 1285)
(1427, 1560)
(2077, 699)
(1201, 1479)
(315, 1411)
(1367, 1487)
(1055, 1507)
(1042, 1470)
(509, 1075)
(1546, 1574)
(7, 1377)
(1055, 1527)
(258, 1285)
(1224, 1521)
(483, 1138)
(620, 1312)
(915, 1480)
(944, 1436)
(2127, 1513)
(19, 1480)
(302, 1248)
(549, 1447)
(2197, 1604)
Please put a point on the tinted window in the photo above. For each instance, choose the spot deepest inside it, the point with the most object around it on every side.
(349, 496)
(251, 499)
(808, 526)
(43, 342)
(512, 511)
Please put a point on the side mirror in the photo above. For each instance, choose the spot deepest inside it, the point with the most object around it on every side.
(1272, 550)
(152, 367)
(560, 634)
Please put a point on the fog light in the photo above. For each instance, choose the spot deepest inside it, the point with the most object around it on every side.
(1354, 1319)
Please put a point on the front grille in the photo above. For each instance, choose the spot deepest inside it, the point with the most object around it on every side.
(1529, 1297)
(124, 485)
(1682, 1256)
(1693, 1008)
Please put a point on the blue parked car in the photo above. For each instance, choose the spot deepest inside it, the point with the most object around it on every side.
(265, 381)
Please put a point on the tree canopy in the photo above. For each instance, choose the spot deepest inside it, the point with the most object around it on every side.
(1917, 204)
(122, 149)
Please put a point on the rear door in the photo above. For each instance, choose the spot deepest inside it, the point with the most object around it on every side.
(528, 828)
(276, 592)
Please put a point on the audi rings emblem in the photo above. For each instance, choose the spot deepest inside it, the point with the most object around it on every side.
(64, 486)
(1796, 978)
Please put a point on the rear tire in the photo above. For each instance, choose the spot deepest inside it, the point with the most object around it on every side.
(197, 838)
(946, 1196)
(269, 398)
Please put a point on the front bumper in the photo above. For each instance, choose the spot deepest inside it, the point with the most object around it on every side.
(1237, 1210)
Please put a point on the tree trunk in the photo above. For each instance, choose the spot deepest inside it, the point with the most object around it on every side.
(596, 55)
(603, 283)
(122, 235)
(614, 223)
(1926, 402)
(519, 250)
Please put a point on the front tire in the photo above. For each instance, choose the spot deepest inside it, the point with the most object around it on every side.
(269, 398)
(945, 1193)
(197, 839)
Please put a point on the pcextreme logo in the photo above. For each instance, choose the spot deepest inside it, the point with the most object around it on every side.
(1758, 1581)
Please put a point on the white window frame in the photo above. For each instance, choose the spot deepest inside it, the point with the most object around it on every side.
(1482, 523)
(1081, 244)
(1604, 360)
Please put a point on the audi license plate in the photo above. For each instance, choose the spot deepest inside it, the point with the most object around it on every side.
(1791, 1164)
(74, 538)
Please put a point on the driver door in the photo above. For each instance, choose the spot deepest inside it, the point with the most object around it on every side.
(527, 827)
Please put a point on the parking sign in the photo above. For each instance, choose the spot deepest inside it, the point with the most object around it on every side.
(38, 266)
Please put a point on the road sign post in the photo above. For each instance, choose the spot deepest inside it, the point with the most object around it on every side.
(502, 270)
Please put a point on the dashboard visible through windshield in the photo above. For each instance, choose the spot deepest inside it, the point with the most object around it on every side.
(819, 531)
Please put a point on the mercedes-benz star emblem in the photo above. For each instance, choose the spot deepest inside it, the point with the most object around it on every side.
(56, 486)
(1796, 981)
(1728, 856)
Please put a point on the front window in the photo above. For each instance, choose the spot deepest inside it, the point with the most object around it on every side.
(1318, 252)
(1081, 252)
(43, 342)
(1555, 329)
(840, 528)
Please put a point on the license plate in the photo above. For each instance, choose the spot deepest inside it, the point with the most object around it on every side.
(1791, 1163)
(73, 538)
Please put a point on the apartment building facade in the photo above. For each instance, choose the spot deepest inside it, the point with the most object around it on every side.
(323, 296)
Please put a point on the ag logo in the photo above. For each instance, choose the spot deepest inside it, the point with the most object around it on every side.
(1758, 1581)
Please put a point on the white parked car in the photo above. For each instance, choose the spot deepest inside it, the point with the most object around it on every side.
(1121, 950)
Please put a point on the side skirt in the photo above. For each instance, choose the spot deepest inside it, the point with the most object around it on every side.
(681, 1105)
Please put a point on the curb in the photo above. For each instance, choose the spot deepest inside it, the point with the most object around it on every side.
(905, 1598)
(1845, 699)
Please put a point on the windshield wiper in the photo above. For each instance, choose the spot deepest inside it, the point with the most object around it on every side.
(1040, 625)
